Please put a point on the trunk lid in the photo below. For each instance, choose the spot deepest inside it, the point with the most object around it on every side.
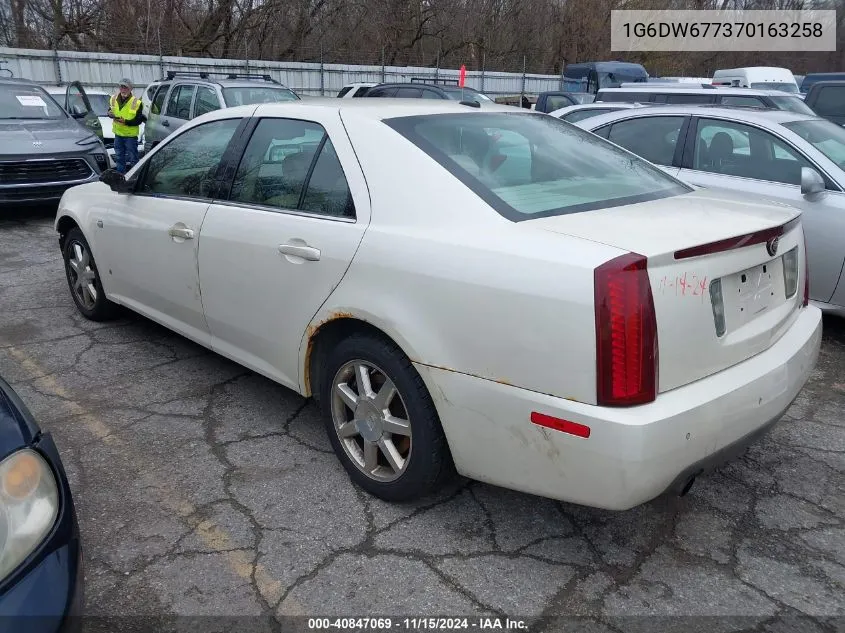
(692, 241)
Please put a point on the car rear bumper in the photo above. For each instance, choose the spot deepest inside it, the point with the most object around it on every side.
(632, 455)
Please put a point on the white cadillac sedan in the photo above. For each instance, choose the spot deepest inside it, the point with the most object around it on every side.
(494, 292)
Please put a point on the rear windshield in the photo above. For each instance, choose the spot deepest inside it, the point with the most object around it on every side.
(531, 165)
(249, 95)
(825, 136)
(775, 85)
(793, 104)
(461, 94)
(28, 102)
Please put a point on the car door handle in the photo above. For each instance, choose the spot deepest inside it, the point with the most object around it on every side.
(182, 232)
(166, 123)
(304, 251)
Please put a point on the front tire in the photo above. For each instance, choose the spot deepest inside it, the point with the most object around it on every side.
(83, 279)
(381, 420)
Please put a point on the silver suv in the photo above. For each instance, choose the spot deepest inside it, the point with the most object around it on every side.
(183, 96)
(43, 149)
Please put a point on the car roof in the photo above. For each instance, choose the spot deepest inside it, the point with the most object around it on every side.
(751, 115)
(13, 81)
(751, 92)
(377, 109)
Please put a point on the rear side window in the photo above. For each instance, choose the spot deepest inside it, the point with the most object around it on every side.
(653, 138)
(408, 93)
(381, 92)
(344, 90)
(688, 98)
(158, 100)
(206, 101)
(830, 100)
(533, 165)
(179, 104)
(630, 97)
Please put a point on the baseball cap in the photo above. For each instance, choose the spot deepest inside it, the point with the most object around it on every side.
(125, 82)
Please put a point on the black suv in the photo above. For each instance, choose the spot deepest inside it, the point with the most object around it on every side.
(43, 149)
(425, 89)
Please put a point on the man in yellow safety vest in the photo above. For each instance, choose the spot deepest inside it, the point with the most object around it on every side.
(127, 114)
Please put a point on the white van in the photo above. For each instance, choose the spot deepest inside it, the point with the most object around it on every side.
(758, 77)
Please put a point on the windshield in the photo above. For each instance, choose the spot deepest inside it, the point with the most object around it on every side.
(792, 104)
(461, 94)
(27, 102)
(825, 136)
(249, 95)
(775, 85)
(530, 165)
(617, 78)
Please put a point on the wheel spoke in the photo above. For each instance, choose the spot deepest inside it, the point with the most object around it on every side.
(396, 426)
(77, 251)
(77, 284)
(385, 395)
(347, 430)
(86, 259)
(365, 387)
(370, 456)
(92, 292)
(349, 397)
(390, 453)
(74, 266)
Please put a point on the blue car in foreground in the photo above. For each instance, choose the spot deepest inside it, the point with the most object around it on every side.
(41, 586)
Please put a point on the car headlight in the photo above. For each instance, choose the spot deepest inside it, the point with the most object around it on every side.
(89, 140)
(29, 505)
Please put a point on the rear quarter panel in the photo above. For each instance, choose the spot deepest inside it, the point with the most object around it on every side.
(458, 286)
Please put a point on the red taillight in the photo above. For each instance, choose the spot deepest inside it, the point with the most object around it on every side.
(626, 332)
(806, 275)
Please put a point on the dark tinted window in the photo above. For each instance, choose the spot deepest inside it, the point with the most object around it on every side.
(688, 98)
(158, 100)
(653, 138)
(625, 96)
(408, 93)
(830, 100)
(344, 90)
(381, 92)
(428, 93)
(187, 164)
(361, 92)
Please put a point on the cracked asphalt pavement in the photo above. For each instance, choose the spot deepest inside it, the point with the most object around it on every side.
(204, 489)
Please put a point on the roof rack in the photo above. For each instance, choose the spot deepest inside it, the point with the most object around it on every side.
(249, 76)
(171, 74)
(433, 80)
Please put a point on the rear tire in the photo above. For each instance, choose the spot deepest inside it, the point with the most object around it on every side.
(83, 279)
(381, 420)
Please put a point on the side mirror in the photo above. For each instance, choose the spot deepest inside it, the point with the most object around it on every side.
(811, 182)
(116, 181)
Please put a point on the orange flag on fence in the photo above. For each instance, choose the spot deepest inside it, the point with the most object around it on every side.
(463, 76)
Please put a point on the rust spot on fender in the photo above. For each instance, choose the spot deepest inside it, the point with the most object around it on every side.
(310, 332)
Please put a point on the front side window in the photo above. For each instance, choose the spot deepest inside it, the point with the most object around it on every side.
(655, 138)
(276, 170)
(830, 100)
(158, 102)
(28, 102)
(529, 165)
(736, 149)
(187, 164)
(408, 93)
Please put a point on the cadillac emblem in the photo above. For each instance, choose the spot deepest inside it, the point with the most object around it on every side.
(772, 246)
